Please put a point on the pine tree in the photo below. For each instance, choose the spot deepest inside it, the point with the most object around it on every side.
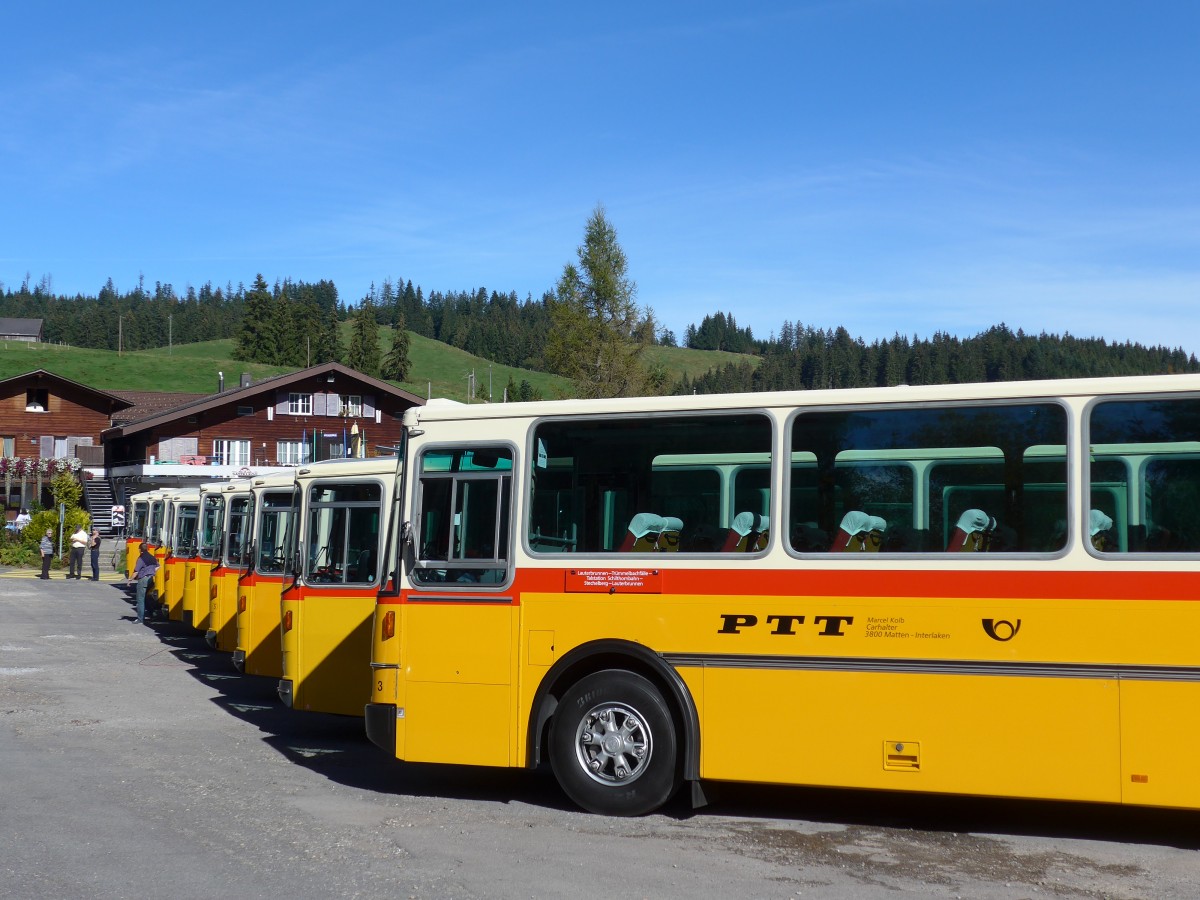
(256, 340)
(363, 352)
(328, 347)
(596, 323)
(396, 365)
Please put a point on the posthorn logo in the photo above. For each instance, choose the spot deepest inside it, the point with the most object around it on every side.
(1001, 629)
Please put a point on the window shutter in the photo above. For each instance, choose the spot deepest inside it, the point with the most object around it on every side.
(368, 403)
(46, 449)
(282, 403)
(333, 405)
(318, 404)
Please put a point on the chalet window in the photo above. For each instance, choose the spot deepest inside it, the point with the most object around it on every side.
(37, 400)
(300, 404)
(245, 410)
(293, 453)
(231, 453)
(8, 446)
(351, 405)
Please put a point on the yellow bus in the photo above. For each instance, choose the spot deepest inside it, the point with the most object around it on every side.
(179, 534)
(231, 562)
(329, 602)
(137, 532)
(156, 536)
(975, 589)
(261, 584)
(197, 602)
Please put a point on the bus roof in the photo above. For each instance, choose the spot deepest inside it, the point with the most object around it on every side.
(938, 393)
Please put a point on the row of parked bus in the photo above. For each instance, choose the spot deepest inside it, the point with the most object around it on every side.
(978, 589)
(228, 568)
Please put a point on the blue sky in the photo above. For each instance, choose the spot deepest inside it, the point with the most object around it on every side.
(886, 166)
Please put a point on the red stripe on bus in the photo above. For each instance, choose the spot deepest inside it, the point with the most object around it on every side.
(914, 584)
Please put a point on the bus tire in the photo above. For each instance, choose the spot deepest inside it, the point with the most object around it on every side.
(613, 746)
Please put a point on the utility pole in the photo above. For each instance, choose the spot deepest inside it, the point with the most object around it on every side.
(120, 333)
(170, 335)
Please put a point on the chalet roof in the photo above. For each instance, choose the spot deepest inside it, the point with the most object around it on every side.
(32, 327)
(150, 403)
(109, 401)
(210, 401)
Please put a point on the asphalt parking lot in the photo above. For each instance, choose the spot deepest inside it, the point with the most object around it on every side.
(138, 763)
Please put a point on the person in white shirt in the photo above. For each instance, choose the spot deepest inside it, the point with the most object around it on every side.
(79, 542)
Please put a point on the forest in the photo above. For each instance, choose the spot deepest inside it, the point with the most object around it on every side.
(296, 324)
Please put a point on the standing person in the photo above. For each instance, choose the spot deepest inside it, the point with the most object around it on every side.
(143, 574)
(79, 542)
(47, 548)
(94, 547)
(22, 519)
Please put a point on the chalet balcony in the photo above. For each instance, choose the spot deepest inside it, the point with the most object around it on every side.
(194, 468)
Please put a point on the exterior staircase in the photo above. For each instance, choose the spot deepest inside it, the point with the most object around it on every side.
(98, 498)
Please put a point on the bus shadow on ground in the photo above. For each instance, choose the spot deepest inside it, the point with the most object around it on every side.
(336, 747)
(958, 814)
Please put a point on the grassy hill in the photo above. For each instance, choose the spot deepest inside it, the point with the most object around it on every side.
(438, 369)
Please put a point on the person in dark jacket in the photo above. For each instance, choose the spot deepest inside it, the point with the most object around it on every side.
(47, 549)
(143, 574)
(94, 550)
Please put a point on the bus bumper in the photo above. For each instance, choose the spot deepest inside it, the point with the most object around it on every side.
(210, 638)
(381, 725)
(239, 660)
(284, 690)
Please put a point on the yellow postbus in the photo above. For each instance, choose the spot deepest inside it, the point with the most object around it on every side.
(156, 536)
(137, 532)
(979, 589)
(261, 584)
(329, 601)
(197, 603)
(179, 530)
(231, 563)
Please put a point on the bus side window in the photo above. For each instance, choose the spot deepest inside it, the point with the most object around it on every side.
(1144, 473)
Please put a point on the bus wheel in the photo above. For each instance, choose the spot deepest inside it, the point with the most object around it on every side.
(613, 746)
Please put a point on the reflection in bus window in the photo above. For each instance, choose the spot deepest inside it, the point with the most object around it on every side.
(237, 536)
(185, 530)
(343, 533)
(1144, 472)
(592, 477)
(137, 524)
(465, 496)
(212, 514)
(274, 531)
(921, 469)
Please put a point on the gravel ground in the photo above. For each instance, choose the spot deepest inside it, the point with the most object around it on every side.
(137, 763)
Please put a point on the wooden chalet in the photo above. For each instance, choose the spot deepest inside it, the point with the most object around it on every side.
(138, 440)
(323, 412)
(44, 416)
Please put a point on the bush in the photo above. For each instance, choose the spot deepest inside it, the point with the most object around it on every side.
(18, 555)
(47, 520)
